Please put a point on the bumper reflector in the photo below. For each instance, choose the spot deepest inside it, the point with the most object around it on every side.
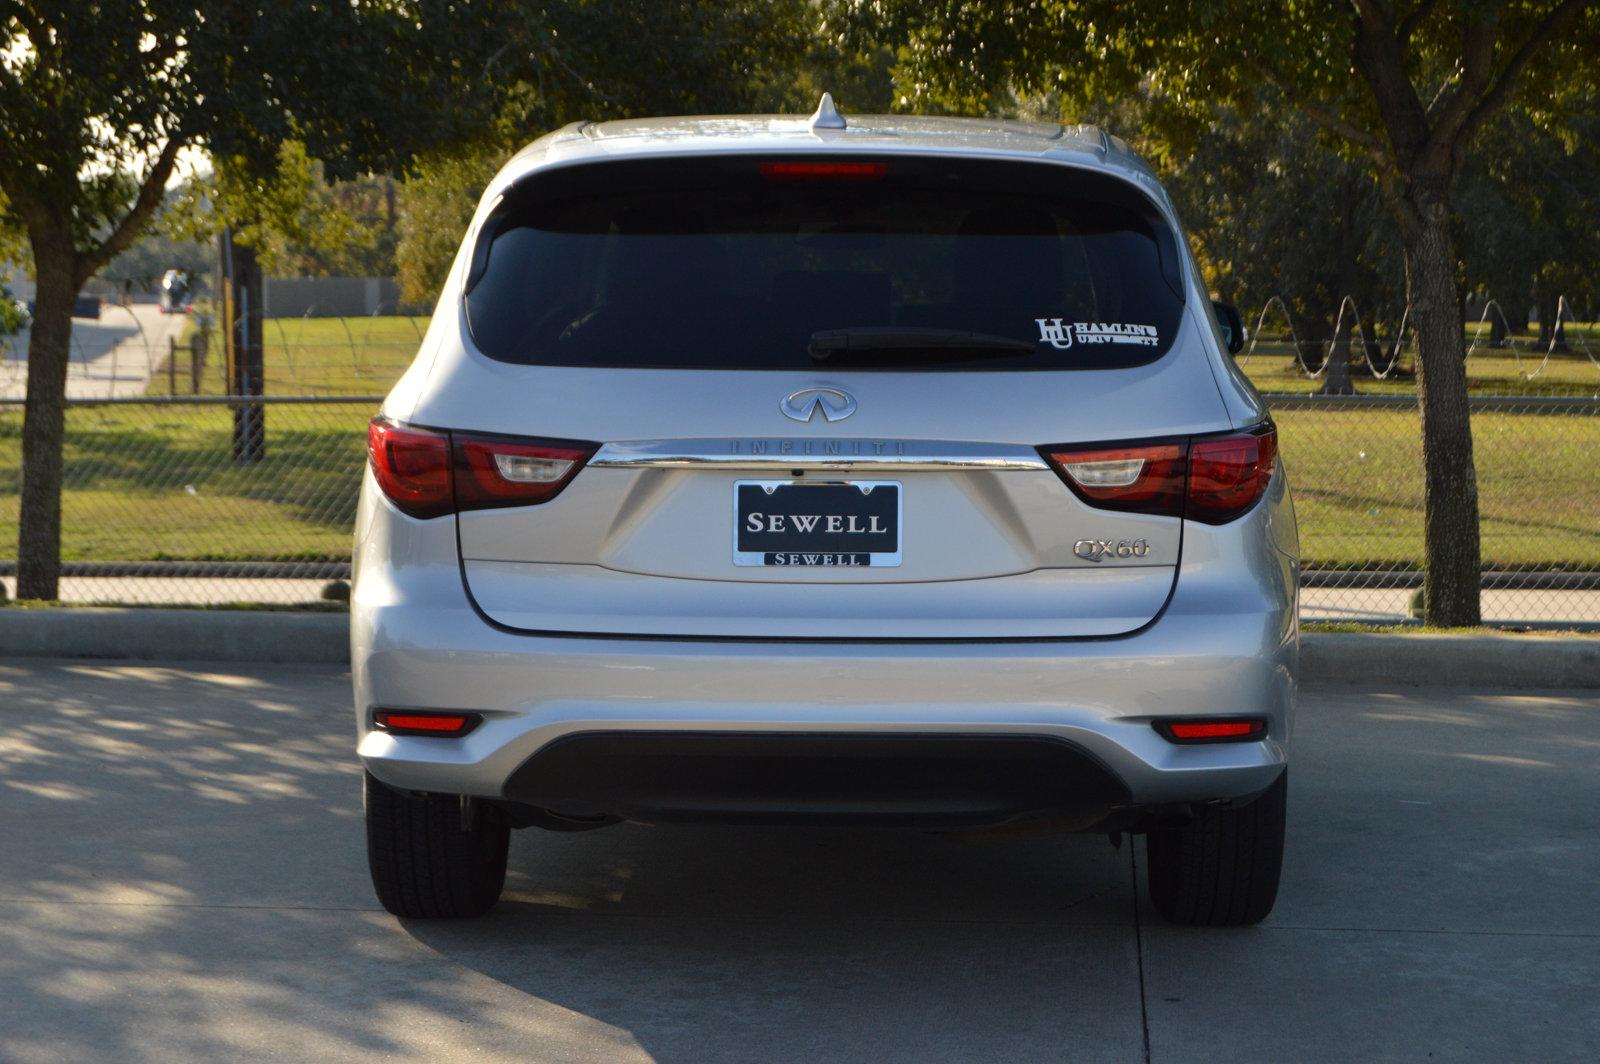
(1212, 731)
(423, 722)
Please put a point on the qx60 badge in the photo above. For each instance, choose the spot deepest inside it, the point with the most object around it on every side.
(804, 404)
(1097, 550)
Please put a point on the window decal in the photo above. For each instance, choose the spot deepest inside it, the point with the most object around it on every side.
(1060, 336)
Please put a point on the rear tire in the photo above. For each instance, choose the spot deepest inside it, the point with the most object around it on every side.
(1221, 869)
(424, 863)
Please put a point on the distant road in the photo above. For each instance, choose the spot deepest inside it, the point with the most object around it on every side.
(112, 356)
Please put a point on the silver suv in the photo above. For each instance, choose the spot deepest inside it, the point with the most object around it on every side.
(764, 469)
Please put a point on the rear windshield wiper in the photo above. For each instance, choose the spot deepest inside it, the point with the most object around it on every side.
(829, 342)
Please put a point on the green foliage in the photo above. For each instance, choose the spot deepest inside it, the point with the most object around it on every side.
(602, 59)
(169, 243)
(1529, 196)
(436, 205)
(299, 222)
(96, 97)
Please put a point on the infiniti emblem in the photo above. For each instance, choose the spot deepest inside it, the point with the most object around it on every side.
(803, 405)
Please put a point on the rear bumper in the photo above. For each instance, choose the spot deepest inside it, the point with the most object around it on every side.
(1098, 696)
(812, 777)
(1226, 644)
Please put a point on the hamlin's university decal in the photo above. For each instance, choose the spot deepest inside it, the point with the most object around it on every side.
(1060, 336)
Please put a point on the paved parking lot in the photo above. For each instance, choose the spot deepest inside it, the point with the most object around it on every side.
(182, 879)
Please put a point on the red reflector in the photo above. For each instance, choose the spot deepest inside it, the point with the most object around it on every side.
(824, 171)
(406, 723)
(1200, 731)
(412, 466)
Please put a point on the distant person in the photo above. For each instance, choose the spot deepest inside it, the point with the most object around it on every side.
(174, 292)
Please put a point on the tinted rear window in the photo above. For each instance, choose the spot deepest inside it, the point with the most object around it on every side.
(721, 263)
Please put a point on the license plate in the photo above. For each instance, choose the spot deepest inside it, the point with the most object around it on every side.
(816, 524)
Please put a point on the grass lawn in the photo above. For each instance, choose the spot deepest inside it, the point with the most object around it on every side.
(146, 483)
(1357, 480)
(152, 483)
(1273, 369)
(313, 356)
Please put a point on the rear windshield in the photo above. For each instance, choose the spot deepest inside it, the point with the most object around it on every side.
(750, 263)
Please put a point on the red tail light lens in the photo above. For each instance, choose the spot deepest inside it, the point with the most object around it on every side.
(424, 722)
(1210, 479)
(1191, 732)
(1143, 479)
(1227, 476)
(429, 474)
(504, 471)
(412, 466)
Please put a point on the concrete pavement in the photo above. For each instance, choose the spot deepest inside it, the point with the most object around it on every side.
(183, 880)
(113, 355)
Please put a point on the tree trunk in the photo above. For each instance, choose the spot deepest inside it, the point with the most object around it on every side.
(1308, 329)
(1497, 329)
(43, 425)
(1450, 525)
(1337, 381)
(1517, 316)
(1376, 359)
(1552, 330)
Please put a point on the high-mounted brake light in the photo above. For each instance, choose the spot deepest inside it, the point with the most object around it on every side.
(1211, 479)
(424, 722)
(810, 171)
(1231, 730)
(428, 474)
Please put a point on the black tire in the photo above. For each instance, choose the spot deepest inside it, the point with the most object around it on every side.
(1221, 869)
(424, 863)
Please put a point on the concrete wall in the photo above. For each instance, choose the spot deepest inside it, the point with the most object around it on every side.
(329, 297)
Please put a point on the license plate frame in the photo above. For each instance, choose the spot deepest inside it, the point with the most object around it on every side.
(810, 558)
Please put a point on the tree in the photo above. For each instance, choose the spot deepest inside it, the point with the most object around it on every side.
(1273, 211)
(1528, 202)
(605, 59)
(1404, 85)
(97, 101)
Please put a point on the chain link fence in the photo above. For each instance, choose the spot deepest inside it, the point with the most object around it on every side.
(157, 510)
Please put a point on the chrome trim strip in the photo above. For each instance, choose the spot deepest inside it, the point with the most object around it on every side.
(828, 454)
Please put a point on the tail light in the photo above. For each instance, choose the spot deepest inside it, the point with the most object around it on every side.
(1221, 730)
(412, 466)
(426, 473)
(1144, 479)
(1228, 475)
(1211, 479)
(504, 471)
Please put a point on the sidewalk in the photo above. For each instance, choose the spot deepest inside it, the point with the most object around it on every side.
(112, 356)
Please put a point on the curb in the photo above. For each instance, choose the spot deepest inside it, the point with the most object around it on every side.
(1326, 658)
(1422, 659)
(175, 635)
